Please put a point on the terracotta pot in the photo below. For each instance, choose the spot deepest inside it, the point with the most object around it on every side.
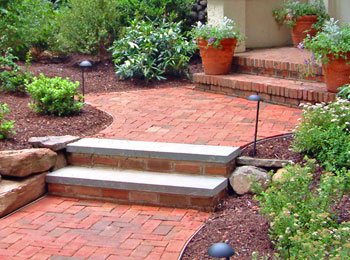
(303, 28)
(336, 72)
(217, 61)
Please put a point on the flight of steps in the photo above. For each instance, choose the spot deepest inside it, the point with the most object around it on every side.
(275, 74)
(150, 173)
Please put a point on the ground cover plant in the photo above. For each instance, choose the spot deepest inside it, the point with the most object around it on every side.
(151, 49)
(6, 126)
(12, 76)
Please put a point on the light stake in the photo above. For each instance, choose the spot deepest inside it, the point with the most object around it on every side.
(256, 98)
(83, 65)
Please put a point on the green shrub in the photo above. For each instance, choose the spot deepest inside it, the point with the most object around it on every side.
(87, 26)
(5, 125)
(344, 92)
(149, 50)
(324, 133)
(25, 24)
(171, 10)
(12, 76)
(55, 96)
(303, 220)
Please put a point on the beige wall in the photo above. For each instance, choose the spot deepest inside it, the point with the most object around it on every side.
(339, 9)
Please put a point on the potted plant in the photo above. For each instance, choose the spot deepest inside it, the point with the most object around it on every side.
(331, 47)
(301, 18)
(217, 44)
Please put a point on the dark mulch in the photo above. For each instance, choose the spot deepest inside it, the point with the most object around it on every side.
(237, 220)
(98, 78)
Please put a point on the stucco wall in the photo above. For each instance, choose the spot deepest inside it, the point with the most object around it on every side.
(340, 10)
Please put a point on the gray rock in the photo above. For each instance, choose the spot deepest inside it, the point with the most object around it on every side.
(201, 15)
(15, 194)
(22, 163)
(267, 163)
(193, 15)
(54, 143)
(203, 3)
(242, 178)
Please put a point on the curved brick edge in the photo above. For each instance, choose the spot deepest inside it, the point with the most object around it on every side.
(189, 240)
(108, 113)
(265, 139)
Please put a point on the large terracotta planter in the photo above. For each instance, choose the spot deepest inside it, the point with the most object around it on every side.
(336, 72)
(217, 61)
(303, 28)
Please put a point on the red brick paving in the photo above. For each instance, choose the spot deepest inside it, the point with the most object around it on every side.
(184, 115)
(57, 227)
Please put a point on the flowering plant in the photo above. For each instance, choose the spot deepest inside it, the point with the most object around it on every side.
(291, 10)
(333, 39)
(324, 133)
(214, 34)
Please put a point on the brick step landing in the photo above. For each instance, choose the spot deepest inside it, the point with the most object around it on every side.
(272, 90)
(282, 62)
(153, 156)
(139, 187)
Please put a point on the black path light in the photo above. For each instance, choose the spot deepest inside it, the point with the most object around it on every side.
(221, 250)
(83, 65)
(256, 98)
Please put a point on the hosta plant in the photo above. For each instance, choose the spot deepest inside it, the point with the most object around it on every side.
(55, 96)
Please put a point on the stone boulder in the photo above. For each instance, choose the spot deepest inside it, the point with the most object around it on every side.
(242, 178)
(278, 176)
(265, 163)
(15, 194)
(54, 143)
(22, 163)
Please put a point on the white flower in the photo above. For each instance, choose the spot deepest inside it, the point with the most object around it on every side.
(127, 63)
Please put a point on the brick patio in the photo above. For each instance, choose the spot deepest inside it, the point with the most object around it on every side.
(184, 115)
(60, 228)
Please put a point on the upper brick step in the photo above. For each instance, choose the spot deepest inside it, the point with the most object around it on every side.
(153, 156)
(176, 190)
(272, 90)
(282, 62)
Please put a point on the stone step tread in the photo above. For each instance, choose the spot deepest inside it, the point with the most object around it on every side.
(173, 151)
(207, 186)
(225, 80)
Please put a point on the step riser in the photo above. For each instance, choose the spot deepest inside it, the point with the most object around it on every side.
(276, 69)
(138, 197)
(150, 164)
(269, 92)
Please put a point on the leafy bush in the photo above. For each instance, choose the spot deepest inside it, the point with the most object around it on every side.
(55, 96)
(25, 24)
(324, 133)
(12, 77)
(149, 50)
(87, 26)
(171, 10)
(303, 220)
(5, 125)
(344, 92)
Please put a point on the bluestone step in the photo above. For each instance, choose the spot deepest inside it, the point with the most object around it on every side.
(153, 156)
(179, 190)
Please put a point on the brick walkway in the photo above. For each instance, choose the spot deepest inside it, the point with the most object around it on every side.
(59, 228)
(183, 115)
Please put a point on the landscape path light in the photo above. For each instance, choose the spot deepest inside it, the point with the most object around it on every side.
(258, 99)
(221, 250)
(84, 64)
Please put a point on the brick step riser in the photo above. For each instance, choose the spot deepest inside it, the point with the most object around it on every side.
(137, 197)
(151, 164)
(276, 69)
